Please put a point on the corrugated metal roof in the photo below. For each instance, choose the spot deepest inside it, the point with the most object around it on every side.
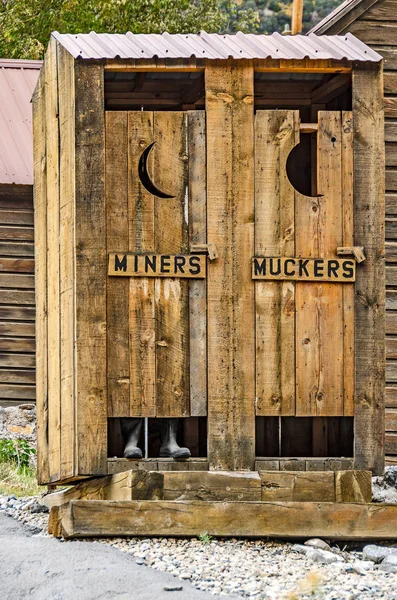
(215, 46)
(17, 81)
(340, 12)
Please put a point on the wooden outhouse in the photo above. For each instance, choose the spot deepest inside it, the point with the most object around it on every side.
(375, 23)
(210, 246)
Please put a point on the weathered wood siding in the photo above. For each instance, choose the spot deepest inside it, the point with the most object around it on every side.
(17, 302)
(377, 27)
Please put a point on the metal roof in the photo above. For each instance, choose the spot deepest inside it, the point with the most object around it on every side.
(215, 46)
(17, 81)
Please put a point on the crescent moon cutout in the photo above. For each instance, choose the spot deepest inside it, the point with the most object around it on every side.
(144, 175)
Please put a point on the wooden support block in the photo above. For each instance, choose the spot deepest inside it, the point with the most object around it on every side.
(195, 464)
(328, 520)
(129, 485)
(353, 486)
(118, 465)
(225, 486)
(292, 464)
(298, 486)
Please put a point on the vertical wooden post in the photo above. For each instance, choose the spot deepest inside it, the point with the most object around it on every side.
(91, 270)
(297, 17)
(230, 225)
(369, 208)
(40, 225)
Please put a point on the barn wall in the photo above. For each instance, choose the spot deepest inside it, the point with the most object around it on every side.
(17, 301)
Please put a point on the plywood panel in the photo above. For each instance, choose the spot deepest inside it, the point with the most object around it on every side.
(230, 220)
(171, 236)
(319, 308)
(276, 133)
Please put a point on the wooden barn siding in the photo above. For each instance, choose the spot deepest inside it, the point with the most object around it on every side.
(17, 302)
(377, 27)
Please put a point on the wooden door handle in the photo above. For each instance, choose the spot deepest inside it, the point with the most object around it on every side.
(356, 251)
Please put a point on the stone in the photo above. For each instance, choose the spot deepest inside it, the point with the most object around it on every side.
(323, 556)
(173, 588)
(377, 553)
(389, 563)
(318, 543)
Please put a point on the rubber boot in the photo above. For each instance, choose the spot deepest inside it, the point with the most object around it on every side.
(131, 431)
(169, 446)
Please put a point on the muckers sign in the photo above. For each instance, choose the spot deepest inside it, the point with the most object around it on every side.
(331, 270)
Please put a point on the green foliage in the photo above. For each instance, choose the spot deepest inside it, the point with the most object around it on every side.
(13, 481)
(205, 537)
(25, 25)
(16, 452)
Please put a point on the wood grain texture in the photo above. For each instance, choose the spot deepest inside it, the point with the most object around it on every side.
(230, 225)
(276, 133)
(66, 263)
(209, 485)
(171, 236)
(347, 179)
(197, 289)
(343, 521)
(295, 486)
(53, 260)
(117, 239)
(142, 317)
(319, 308)
(353, 486)
(370, 282)
(91, 270)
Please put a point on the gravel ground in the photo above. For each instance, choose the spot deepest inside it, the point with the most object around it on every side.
(266, 570)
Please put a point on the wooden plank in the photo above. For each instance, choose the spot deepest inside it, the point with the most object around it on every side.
(329, 520)
(276, 133)
(142, 324)
(17, 344)
(391, 154)
(157, 464)
(16, 234)
(22, 361)
(212, 486)
(391, 347)
(319, 308)
(389, 56)
(171, 236)
(391, 275)
(23, 313)
(353, 486)
(391, 371)
(391, 419)
(390, 130)
(197, 289)
(295, 486)
(53, 257)
(370, 281)
(67, 263)
(375, 32)
(17, 392)
(390, 443)
(128, 485)
(90, 265)
(16, 281)
(14, 296)
(16, 249)
(390, 461)
(17, 265)
(230, 225)
(390, 82)
(16, 217)
(391, 396)
(117, 289)
(391, 228)
(348, 240)
(17, 376)
(390, 105)
(391, 204)
(391, 252)
(381, 11)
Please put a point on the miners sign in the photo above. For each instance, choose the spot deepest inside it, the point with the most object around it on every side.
(332, 270)
(158, 265)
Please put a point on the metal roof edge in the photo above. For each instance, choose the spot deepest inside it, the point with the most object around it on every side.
(339, 13)
(14, 63)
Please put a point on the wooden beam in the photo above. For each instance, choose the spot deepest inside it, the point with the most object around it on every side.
(331, 89)
(230, 225)
(339, 521)
(369, 212)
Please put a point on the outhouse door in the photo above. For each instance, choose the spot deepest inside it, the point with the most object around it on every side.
(156, 204)
(304, 321)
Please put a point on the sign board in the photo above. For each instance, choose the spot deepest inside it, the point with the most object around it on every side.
(331, 270)
(158, 265)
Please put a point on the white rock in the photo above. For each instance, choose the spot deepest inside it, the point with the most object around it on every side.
(318, 543)
(377, 553)
(323, 556)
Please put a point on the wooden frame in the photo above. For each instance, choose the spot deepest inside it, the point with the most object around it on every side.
(71, 271)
